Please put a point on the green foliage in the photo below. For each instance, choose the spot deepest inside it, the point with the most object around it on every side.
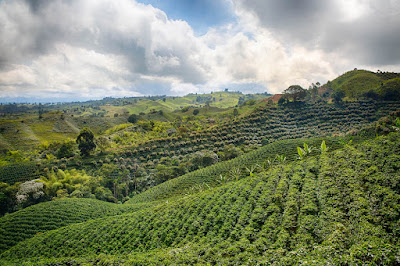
(339, 208)
(273, 153)
(133, 118)
(19, 172)
(117, 128)
(282, 101)
(300, 152)
(85, 141)
(229, 152)
(47, 216)
(235, 112)
(75, 184)
(338, 96)
(296, 92)
(305, 151)
(102, 143)
(390, 90)
(323, 147)
(8, 200)
(397, 123)
(66, 150)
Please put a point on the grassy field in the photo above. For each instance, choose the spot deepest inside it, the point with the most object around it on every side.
(220, 100)
(357, 82)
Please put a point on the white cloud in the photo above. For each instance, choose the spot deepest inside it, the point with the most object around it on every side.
(183, 88)
(122, 48)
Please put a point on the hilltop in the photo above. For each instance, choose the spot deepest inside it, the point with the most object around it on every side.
(367, 84)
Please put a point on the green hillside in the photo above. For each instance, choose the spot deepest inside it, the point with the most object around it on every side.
(23, 128)
(169, 104)
(47, 216)
(362, 83)
(240, 167)
(340, 208)
(357, 82)
(164, 157)
(206, 179)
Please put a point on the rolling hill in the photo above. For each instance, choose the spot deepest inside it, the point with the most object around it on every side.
(339, 207)
(358, 83)
(207, 182)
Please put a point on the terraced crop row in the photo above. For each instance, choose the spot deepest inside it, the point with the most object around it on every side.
(211, 176)
(338, 208)
(37, 219)
(268, 125)
(263, 126)
(19, 172)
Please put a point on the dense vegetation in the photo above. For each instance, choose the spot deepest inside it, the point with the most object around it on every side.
(340, 207)
(47, 216)
(309, 177)
(130, 170)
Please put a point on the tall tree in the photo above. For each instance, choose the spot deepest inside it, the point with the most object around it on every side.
(85, 141)
(296, 92)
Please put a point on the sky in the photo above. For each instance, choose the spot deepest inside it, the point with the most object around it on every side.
(70, 50)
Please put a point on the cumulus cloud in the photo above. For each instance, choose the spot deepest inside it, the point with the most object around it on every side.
(86, 44)
(84, 49)
(363, 31)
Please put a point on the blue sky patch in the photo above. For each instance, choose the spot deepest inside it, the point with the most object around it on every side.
(200, 14)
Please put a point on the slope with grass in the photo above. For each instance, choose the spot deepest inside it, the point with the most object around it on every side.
(264, 125)
(42, 217)
(220, 100)
(340, 207)
(358, 83)
(355, 83)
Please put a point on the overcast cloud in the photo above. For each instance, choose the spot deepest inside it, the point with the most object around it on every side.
(98, 48)
(364, 31)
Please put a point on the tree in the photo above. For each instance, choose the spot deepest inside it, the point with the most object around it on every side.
(66, 150)
(296, 92)
(85, 141)
(132, 118)
(313, 90)
(196, 111)
(112, 177)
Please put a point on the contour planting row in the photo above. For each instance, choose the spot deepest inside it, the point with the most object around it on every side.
(19, 172)
(37, 219)
(237, 168)
(268, 125)
(263, 126)
(338, 208)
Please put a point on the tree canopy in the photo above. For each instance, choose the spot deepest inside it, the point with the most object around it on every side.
(296, 92)
(85, 141)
